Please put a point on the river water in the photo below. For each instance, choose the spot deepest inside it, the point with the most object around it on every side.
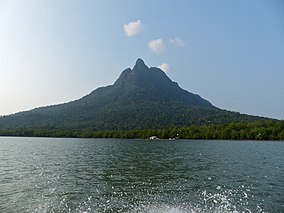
(112, 175)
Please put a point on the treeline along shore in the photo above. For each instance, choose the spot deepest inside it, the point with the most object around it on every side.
(257, 130)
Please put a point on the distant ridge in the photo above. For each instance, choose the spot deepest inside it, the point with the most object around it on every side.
(141, 98)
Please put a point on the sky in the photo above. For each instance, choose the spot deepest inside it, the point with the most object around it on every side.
(229, 52)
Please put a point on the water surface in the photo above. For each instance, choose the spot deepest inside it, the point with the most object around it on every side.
(107, 175)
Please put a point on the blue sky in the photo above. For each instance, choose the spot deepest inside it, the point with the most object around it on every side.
(229, 52)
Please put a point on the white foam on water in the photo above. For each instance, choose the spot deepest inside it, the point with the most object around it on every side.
(148, 209)
(172, 209)
(223, 201)
(158, 209)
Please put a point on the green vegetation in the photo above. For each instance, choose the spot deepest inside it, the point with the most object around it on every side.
(141, 103)
(257, 130)
(140, 98)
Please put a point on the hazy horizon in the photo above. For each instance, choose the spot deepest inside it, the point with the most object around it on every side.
(230, 53)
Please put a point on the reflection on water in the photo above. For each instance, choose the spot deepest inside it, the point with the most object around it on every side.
(106, 175)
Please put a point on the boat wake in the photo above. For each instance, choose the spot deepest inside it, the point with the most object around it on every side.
(206, 203)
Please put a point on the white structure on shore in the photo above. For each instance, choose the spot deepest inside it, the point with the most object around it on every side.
(153, 137)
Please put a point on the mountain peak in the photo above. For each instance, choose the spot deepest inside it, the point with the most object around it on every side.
(139, 61)
(141, 98)
(144, 84)
(140, 65)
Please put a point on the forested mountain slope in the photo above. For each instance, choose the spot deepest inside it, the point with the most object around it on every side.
(141, 98)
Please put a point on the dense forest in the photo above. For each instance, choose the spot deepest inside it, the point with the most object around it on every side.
(257, 130)
(141, 98)
(141, 103)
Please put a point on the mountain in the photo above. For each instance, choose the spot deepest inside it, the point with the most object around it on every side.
(143, 84)
(141, 98)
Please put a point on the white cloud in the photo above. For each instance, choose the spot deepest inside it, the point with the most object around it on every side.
(165, 67)
(178, 42)
(157, 46)
(133, 28)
